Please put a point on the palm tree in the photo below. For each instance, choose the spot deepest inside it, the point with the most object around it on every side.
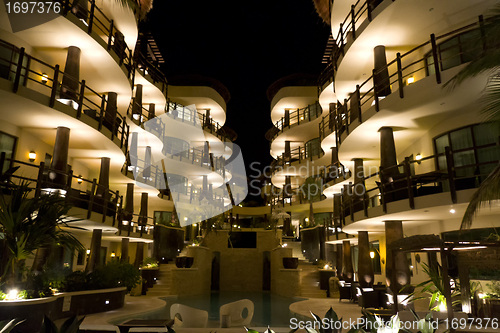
(487, 62)
(28, 224)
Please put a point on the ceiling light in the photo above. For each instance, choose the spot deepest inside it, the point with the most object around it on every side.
(410, 80)
(452, 211)
(32, 156)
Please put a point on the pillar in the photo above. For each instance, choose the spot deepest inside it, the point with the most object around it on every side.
(287, 225)
(287, 151)
(60, 159)
(287, 118)
(365, 264)
(143, 213)
(340, 256)
(347, 269)
(128, 210)
(103, 187)
(381, 77)
(152, 111)
(139, 255)
(393, 232)
(146, 172)
(207, 118)
(124, 255)
(132, 153)
(70, 87)
(337, 209)
(359, 175)
(111, 110)
(137, 107)
(335, 155)
(205, 188)
(388, 157)
(95, 250)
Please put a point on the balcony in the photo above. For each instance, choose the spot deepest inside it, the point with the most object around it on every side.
(40, 82)
(294, 118)
(435, 58)
(99, 204)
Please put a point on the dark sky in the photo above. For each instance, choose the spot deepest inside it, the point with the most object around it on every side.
(247, 45)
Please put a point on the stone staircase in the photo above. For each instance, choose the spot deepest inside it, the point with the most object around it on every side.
(162, 286)
(309, 280)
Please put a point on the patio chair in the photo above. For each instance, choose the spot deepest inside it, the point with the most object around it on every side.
(235, 311)
(344, 291)
(188, 317)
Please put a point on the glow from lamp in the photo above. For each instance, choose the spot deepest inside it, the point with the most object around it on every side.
(372, 254)
(32, 156)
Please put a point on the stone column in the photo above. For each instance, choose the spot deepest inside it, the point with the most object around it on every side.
(338, 264)
(124, 255)
(152, 111)
(139, 255)
(287, 151)
(146, 172)
(359, 175)
(59, 178)
(381, 78)
(102, 189)
(111, 110)
(287, 118)
(388, 157)
(207, 118)
(393, 232)
(128, 210)
(337, 211)
(70, 87)
(287, 225)
(132, 153)
(95, 250)
(143, 213)
(335, 155)
(365, 264)
(137, 107)
(347, 269)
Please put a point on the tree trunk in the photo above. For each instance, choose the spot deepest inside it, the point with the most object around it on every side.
(41, 257)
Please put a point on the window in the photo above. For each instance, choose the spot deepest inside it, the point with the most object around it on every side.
(475, 151)
(7, 146)
(7, 60)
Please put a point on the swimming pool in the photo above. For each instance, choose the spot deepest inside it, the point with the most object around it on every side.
(270, 309)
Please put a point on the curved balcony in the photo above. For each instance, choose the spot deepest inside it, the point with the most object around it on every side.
(40, 82)
(295, 157)
(404, 74)
(151, 73)
(410, 189)
(96, 203)
(294, 118)
(386, 22)
(186, 115)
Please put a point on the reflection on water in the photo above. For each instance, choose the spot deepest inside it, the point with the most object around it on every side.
(269, 309)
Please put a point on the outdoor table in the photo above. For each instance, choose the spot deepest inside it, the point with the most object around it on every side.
(126, 326)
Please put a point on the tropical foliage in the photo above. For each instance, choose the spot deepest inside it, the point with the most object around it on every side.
(71, 325)
(7, 325)
(30, 223)
(486, 62)
(432, 289)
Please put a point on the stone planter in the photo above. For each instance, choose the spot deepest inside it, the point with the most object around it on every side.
(290, 262)
(184, 262)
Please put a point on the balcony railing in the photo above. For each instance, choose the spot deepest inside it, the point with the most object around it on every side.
(78, 192)
(400, 183)
(299, 154)
(25, 70)
(148, 69)
(297, 117)
(97, 22)
(402, 71)
(187, 115)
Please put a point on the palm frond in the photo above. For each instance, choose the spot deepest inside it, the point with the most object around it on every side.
(488, 191)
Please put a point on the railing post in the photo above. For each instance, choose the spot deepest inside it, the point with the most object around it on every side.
(436, 58)
(116, 208)
(27, 72)
(375, 93)
(105, 204)
(92, 196)
(65, 7)
(365, 199)
(409, 183)
(358, 98)
(382, 189)
(346, 114)
(91, 18)
(342, 39)
(369, 11)
(68, 185)
(80, 100)
(400, 75)
(353, 22)
(55, 83)
(19, 69)
(110, 37)
(451, 176)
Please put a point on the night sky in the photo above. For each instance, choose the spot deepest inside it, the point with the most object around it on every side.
(247, 45)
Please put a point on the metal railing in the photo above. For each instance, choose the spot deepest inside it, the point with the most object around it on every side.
(35, 74)
(399, 182)
(395, 76)
(187, 115)
(299, 154)
(146, 68)
(297, 117)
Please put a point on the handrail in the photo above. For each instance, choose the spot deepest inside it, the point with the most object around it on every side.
(296, 117)
(37, 75)
(186, 115)
(373, 89)
(299, 154)
(147, 68)
(95, 198)
(398, 183)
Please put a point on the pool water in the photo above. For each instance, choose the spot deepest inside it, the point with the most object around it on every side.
(270, 309)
